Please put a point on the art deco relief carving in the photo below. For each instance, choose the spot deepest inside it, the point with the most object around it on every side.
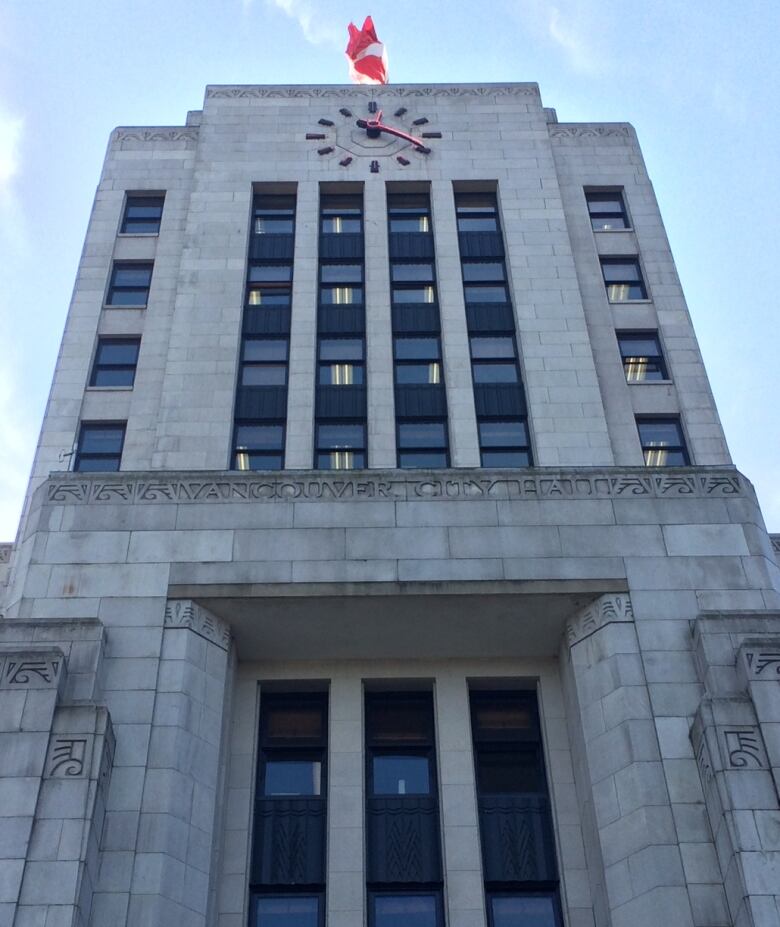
(609, 609)
(69, 756)
(5, 552)
(175, 134)
(339, 93)
(742, 748)
(538, 485)
(760, 663)
(585, 131)
(30, 670)
(186, 614)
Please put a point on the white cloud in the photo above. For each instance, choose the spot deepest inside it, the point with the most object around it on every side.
(310, 20)
(573, 27)
(17, 440)
(565, 33)
(10, 139)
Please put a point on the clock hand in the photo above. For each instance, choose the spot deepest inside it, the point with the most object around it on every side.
(375, 125)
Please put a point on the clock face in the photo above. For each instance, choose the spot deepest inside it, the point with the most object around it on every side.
(383, 140)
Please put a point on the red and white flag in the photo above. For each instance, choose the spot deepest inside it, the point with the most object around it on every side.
(366, 55)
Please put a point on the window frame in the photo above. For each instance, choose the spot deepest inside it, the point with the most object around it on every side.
(679, 448)
(258, 452)
(301, 747)
(485, 214)
(138, 196)
(417, 891)
(615, 260)
(98, 367)
(535, 891)
(94, 426)
(341, 210)
(425, 748)
(114, 288)
(264, 207)
(304, 892)
(409, 212)
(322, 449)
(658, 360)
(594, 196)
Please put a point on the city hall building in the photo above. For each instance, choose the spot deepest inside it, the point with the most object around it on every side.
(383, 561)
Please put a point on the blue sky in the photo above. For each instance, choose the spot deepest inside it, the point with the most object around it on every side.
(699, 80)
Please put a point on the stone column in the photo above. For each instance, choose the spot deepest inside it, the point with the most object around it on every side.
(379, 333)
(172, 869)
(301, 370)
(464, 443)
(631, 842)
(345, 868)
(459, 819)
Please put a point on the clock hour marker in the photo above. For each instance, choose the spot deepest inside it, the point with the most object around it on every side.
(326, 150)
(372, 106)
(375, 167)
(315, 135)
(401, 111)
(401, 160)
(420, 122)
(345, 112)
(422, 149)
(325, 122)
(431, 135)
(345, 162)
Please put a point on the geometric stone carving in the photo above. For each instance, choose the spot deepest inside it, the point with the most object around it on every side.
(70, 756)
(585, 131)
(760, 662)
(31, 669)
(347, 93)
(175, 134)
(615, 483)
(186, 614)
(608, 609)
(5, 552)
(742, 747)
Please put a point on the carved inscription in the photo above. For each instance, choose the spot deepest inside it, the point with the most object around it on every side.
(68, 756)
(539, 484)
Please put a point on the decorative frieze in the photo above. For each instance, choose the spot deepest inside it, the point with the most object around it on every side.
(760, 663)
(31, 669)
(156, 134)
(186, 614)
(561, 130)
(539, 484)
(608, 609)
(241, 92)
(69, 756)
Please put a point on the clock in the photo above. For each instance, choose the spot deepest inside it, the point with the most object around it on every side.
(380, 139)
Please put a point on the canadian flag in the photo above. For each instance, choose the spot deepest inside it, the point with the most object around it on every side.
(366, 55)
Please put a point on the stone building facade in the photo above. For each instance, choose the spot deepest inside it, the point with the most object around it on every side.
(383, 558)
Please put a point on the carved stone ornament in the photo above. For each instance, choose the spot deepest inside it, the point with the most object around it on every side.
(742, 747)
(70, 756)
(146, 488)
(157, 134)
(31, 669)
(561, 130)
(186, 614)
(240, 92)
(609, 609)
(760, 663)
(5, 552)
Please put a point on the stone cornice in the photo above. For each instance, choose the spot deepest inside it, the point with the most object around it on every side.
(300, 485)
(338, 92)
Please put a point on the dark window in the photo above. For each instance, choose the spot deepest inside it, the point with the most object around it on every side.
(115, 362)
(341, 446)
(270, 273)
(100, 446)
(486, 294)
(409, 212)
(417, 361)
(534, 909)
(414, 294)
(142, 214)
(341, 362)
(340, 215)
(274, 215)
(476, 212)
(623, 279)
(422, 444)
(483, 271)
(642, 356)
(496, 372)
(663, 443)
(286, 911)
(410, 909)
(269, 297)
(399, 736)
(490, 348)
(292, 751)
(258, 446)
(264, 362)
(607, 211)
(411, 273)
(416, 348)
(130, 282)
(504, 443)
